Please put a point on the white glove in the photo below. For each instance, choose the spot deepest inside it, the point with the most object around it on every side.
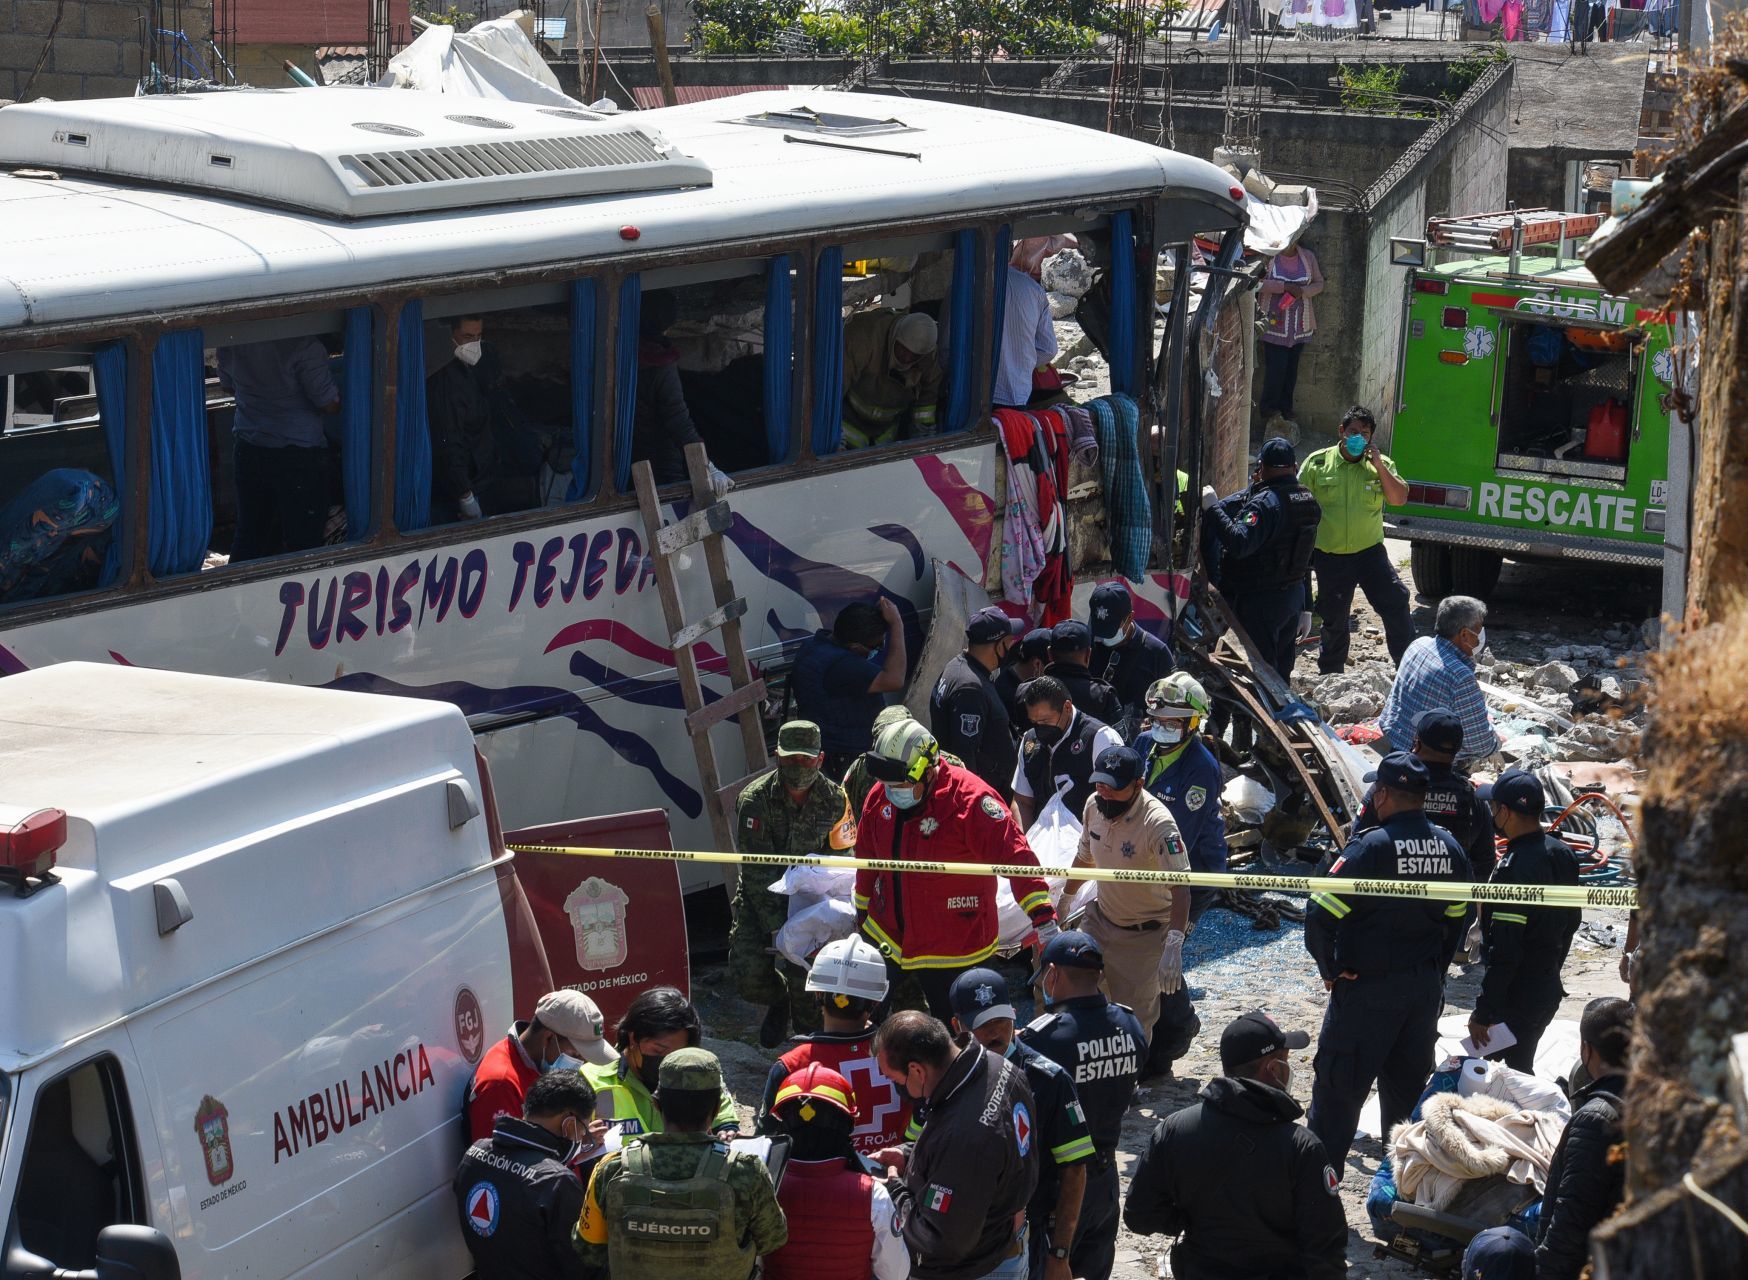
(1304, 625)
(469, 507)
(1171, 963)
(1046, 931)
(1209, 497)
(720, 484)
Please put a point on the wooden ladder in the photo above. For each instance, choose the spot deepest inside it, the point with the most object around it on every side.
(710, 518)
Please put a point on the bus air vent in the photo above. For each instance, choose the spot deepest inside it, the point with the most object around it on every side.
(305, 149)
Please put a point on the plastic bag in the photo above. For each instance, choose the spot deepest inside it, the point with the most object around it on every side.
(806, 931)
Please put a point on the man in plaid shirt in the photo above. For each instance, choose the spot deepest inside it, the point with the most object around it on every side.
(1438, 671)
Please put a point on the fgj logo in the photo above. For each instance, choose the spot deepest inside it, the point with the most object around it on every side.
(212, 1124)
(482, 1208)
(470, 1026)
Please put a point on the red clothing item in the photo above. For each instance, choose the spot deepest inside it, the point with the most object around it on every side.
(499, 1084)
(882, 1110)
(831, 1227)
(937, 921)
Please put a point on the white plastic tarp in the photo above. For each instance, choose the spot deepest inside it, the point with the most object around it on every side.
(494, 59)
(1274, 227)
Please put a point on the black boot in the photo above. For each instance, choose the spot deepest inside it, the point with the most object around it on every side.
(775, 1028)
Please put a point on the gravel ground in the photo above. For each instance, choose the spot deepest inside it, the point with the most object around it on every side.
(1233, 967)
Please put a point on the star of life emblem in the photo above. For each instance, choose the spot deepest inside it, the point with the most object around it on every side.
(928, 826)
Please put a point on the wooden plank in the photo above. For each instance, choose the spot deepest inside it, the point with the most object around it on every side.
(728, 795)
(730, 705)
(693, 632)
(701, 524)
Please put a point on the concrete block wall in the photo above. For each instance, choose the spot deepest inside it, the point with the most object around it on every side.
(94, 52)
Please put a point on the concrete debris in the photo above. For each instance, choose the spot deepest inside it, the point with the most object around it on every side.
(1347, 697)
(1067, 272)
(1598, 739)
(1062, 305)
(1553, 675)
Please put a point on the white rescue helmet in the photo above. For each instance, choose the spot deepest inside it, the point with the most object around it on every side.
(1179, 696)
(850, 969)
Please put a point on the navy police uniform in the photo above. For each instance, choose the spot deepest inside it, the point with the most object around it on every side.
(1382, 1021)
(1131, 667)
(1101, 1045)
(970, 720)
(1266, 539)
(1451, 799)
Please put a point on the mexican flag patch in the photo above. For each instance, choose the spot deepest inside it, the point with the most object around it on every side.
(937, 1198)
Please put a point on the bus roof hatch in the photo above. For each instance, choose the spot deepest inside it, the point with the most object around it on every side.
(349, 152)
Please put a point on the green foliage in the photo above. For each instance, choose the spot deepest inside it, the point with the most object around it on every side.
(1469, 68)
(452, 15)
(1371, 87)
(922, 29)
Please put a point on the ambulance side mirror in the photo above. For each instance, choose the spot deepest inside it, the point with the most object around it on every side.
(128, 1252)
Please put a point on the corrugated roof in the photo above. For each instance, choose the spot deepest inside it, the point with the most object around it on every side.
(651, 97)
(312, 22)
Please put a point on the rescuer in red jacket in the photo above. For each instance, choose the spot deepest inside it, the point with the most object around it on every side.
(923, 809)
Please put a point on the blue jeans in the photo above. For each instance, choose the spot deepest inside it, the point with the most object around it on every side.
(1016, 1267)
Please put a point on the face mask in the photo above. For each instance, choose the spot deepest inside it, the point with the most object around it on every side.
(1111, 642)
(1285, 1085)
(564, 1062)
(797, 777)
(1480, 639)
(906, 797)
(1354, 446)
(1047, 734)
(1013, 1048)
(650, 1070)
(468, 352)
(1167, 735)
(1113, 808)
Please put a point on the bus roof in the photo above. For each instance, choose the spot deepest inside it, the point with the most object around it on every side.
(85, 248)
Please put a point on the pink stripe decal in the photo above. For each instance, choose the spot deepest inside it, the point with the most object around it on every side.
(972, 509)
(617, 633)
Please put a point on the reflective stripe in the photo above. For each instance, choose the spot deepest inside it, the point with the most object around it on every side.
(1509, 917)
(1069, 1152)
(896, 953)
(1457, 909)
(860, 900)
(817, 1091)
(1033, 901)
(873, 412)
(1332, 904)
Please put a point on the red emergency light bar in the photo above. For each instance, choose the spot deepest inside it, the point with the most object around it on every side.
(28, 848)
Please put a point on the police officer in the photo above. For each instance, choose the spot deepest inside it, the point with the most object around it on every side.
(961, 1188)
(1524, 946)
(1059, 750)
(517, 1194)
(969, 715)
(679, 1204)
(1451, 799)
(981, 1007)
(793, 810)
(1266, 544)
(1070, 652)
(1026, 661)
(1382, 960)
(838, 685)
(1179, 769)
(1102, 1046)
(1124, 656)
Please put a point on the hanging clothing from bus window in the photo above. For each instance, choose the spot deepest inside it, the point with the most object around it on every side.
(583, 295)
(356, 393)
(828, 352)
(1128, 509)
(412, 427)
(779, 358)
(1036, 445)
(1126, 362)
(625, 387)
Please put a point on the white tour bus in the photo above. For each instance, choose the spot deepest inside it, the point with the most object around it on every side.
(149, 241)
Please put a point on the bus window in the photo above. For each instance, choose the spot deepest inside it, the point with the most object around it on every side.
(1566, 401)
(497, 382)
(58, 498)
(713, 366)
(898, 357)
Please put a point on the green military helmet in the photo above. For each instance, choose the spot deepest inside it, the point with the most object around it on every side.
(889, 716)
(690, 1071)
(799, 738)
(903, 752)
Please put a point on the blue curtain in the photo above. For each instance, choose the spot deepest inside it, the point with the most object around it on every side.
(356, 392)
(180, 510)
(109, 368)
(1125, 368)
(583, 294)
(1004, 248)
(625, 392)
(779, 358)
(828, 352)
(412, 428)
(961, 309)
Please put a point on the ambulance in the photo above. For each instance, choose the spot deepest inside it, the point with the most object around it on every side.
(254, 939)
(1536, 412)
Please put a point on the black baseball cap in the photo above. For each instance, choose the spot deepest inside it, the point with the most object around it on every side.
(1499, 1253)
(1520, 792)
(979, 995)
(1440, 729)
(990, 623)
(1034, 646)
(1277, 452)
(1401, 772)
(1070, 636)
(1109, 607)
(1117, 767)
(1071, 949)
(1255, 1035)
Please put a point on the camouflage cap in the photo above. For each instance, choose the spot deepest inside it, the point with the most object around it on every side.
(799, 738)
(690, 1070)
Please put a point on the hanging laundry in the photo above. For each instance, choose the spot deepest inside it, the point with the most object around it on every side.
(1128, 509)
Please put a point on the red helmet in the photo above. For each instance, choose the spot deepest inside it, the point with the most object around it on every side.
(816, 1083)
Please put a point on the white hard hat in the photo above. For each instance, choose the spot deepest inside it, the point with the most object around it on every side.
(849, 967)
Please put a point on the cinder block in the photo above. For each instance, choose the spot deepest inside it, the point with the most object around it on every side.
(114, 19)
(88, 57)
(35, 17)
(58, 85)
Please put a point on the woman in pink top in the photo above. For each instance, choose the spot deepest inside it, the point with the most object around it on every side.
(1287, 322)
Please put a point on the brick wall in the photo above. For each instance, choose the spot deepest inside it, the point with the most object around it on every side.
(94, 50)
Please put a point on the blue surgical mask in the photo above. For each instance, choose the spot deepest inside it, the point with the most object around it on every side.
(1110, 641)
(908, 798)
(1354, 444)
(1164, 736)
(564, 1062)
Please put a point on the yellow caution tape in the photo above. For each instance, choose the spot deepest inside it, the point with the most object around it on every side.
(1544, 895)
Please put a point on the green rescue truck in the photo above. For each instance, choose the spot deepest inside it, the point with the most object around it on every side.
(1533, 414)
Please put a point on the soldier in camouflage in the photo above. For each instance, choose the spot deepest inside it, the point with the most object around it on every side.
(679, 1204)
(794, 810)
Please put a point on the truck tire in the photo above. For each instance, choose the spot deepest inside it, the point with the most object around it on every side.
(1474, 572)
(1430, 563)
